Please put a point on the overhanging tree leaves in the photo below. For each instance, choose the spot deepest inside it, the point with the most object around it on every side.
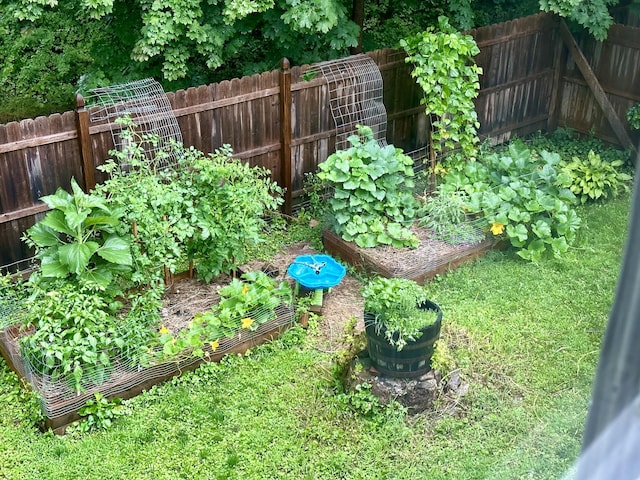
(178, 33)
(591, 14)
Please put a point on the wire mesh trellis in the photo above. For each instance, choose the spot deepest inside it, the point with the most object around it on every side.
(55, 388)
(146, 103)
(355, 95)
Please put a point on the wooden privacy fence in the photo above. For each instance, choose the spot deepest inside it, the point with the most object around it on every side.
(278, 120)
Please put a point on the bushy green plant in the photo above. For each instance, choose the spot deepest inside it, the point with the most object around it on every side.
(75, 331)
(523, 196)
(394, 306)
(226, 204)
(594, 178)
(372, 202)
(152, 205)
(633, 116)
(78, 238)
(208, 208)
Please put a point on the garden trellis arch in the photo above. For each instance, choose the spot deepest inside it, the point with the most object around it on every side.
(146, 103)
(355, 96)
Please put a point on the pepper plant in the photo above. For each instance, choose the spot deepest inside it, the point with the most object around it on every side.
(372, 202)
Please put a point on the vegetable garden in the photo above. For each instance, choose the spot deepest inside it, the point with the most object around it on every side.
(89, 328)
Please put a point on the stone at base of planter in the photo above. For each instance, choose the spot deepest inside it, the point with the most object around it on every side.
(60, 403)
(416, 394)
(405, 267)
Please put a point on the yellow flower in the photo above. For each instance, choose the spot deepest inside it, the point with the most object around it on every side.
(164, 330)
(245, 289)
(497, 228)
(247, 322)
(214, 345)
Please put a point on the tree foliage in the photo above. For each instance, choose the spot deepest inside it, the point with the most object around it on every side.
(52, 48)
(178, 33)
(591, 14)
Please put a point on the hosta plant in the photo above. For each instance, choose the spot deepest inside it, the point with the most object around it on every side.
(594, 178)
(372, 202)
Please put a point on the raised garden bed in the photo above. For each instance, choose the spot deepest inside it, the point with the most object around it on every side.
(59, 400)
(430, 258)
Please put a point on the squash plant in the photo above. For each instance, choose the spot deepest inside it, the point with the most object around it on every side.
(521, 195)
(372, 202)
(245, 304)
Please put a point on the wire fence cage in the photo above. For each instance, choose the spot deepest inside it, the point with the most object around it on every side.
(355, 96)
(125, 371)
(146, 103)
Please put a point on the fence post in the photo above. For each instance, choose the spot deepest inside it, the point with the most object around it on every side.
(86, 149)
(285, 134)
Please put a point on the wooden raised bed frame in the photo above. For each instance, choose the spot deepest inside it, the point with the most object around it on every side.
(358, 257)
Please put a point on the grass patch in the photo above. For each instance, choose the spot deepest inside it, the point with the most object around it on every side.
(526, 337)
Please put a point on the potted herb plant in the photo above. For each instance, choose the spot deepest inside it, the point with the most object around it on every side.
(401, 326)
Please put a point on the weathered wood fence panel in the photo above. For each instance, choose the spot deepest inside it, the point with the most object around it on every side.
(518, 60)
(529, 84)
(616, 64)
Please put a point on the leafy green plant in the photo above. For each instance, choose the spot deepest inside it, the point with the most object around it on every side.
(75, 333)
(444, 67)
(444, 214)
(395, 309)
(226, 203)
(244, 305)
(372, 202)
(523, 196)
(210, 209)
(594, 178)
(153, 206)
(78, 238)
(633, 116)
(99, 413)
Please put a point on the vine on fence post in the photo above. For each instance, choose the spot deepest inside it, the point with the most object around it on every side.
(445, 69)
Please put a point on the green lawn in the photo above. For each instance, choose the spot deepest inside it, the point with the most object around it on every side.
(527, 339)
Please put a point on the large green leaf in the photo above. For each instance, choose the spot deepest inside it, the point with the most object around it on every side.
(77, 255)
(51, 267)
(116, 250)
(56, 221)
(59, 200)
(75, 216)
(42, 235)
